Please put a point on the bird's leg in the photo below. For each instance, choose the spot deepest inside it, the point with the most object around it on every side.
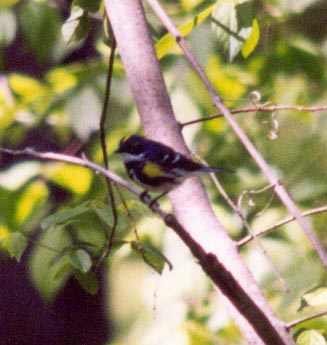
(145, 197)
(158, 197)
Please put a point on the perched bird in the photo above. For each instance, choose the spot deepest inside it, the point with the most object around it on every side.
(157, 167)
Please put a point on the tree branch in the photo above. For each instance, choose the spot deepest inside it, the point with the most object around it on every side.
(209, 263)
(304, 319)
(191, 205)
(255, 108)
(262, 164)
(282, 222)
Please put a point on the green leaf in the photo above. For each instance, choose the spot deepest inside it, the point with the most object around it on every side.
(103, 213)
(314, 298)
(64, 216)
(31, 200)
(81, 260)
(8, 26)
(88, 281)
(19, 174)
(311, 337)
(78, 109)
(8, 3)
(252, 41)
(40, 24)
(75, 178)
(63, 272)
(88, 5)
(57, 257)
(232, 22)
(32, 92)
(151, 256)
(77, 26)
(198, 334)
(16, 245)
(167, 42)
(49, 263)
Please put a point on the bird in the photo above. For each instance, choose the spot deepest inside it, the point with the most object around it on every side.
(157, 167)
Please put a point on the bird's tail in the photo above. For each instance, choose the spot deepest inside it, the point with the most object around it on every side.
(217, 170)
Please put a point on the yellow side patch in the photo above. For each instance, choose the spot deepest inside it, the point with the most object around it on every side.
(152, 170)
(125, 138)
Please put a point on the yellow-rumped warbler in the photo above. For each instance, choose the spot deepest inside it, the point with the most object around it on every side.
(157, 167)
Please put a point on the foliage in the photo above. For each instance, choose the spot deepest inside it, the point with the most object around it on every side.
(49, 101)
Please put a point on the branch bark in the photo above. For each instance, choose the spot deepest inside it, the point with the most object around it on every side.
(257, 157)
(215, 250)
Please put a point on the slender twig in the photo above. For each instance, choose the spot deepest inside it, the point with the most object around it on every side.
(137, 238)
(282, 222)
(209, 263)
(111, 234)
(103, 119)
(226, 29)
(106, 102)
(258, 108)
(256, 191)
(237, 210)
(257, 157)
(306, 318)
(52, 156)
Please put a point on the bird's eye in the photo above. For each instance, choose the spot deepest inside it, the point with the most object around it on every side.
(136, 148)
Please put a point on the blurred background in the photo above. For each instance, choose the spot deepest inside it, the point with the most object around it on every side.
(53, 66)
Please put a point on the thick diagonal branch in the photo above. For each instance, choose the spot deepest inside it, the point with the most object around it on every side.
(257, 157)
(191, 206)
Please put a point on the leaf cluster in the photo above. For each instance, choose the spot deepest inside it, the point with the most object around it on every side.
(51, 98)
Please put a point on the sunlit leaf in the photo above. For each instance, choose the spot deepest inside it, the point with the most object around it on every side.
(315, 297)
(77, 26)
(198, 334)
(167, 42)
(4, 232)
(311, 337)
(72, 177)
(232, 22)
(290, 7)
(19, 174)
(84, 112)
(7, 26)
(8, 112)
(28, 89)
(8, 3)
(188, 5)
(226, 81)
(252, 41)
(33, 197)
(61, 80)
